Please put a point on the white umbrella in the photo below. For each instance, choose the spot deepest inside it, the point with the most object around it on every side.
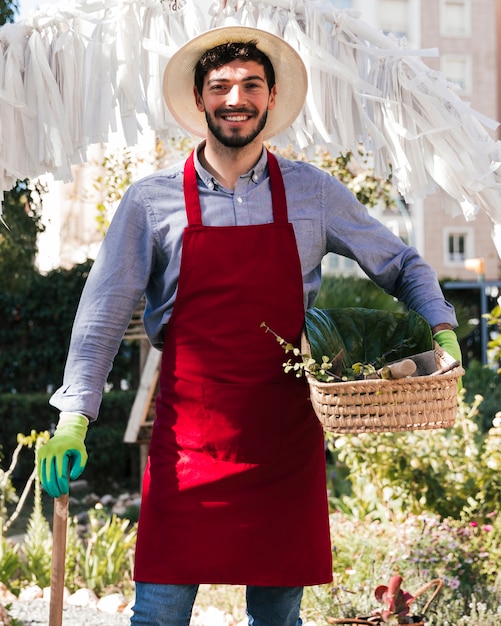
(72, 74)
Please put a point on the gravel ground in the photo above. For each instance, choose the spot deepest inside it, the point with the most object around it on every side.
(36, 612)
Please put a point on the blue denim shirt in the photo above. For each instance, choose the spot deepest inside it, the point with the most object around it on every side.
(141, 254)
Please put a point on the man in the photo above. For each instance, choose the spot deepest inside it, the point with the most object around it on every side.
(234, 490)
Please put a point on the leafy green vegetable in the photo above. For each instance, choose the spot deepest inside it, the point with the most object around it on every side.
(370, 336)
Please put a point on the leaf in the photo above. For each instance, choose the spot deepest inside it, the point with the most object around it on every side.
(366, 335)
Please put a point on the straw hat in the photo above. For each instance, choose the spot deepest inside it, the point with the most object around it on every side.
(290, 75)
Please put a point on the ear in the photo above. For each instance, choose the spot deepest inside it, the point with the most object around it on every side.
(198, 100)
(271, 99)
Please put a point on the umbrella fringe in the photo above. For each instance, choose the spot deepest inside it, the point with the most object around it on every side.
(70, 77)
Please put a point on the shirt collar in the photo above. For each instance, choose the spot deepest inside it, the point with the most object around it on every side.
(255, 174)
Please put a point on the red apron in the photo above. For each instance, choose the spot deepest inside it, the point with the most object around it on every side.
(235, 486)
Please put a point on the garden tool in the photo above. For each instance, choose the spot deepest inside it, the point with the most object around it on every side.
(58, 560)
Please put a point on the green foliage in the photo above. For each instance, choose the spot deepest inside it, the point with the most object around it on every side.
(33, 561)
(464, 554)
(107, 557)
(7, 492)
(112, 461)
(10, 561)
(494, 345)
(37, 545)
(18, 240)
(482, 380)
(8, 10)
(368, 336)
(451, 473)
(302, 362)
(354, 171)
(36, 328)
(349, 291)
(118, 173)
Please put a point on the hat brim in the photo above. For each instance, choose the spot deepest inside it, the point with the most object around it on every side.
(290, 75)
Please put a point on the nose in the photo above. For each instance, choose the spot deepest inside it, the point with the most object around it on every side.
(234, 95)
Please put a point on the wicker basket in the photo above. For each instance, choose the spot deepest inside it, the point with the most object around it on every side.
(416, 403)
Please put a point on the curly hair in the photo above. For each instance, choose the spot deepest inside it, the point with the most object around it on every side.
(228, 52)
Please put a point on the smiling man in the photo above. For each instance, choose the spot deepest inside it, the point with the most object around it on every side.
(239, 94)
(235, 486)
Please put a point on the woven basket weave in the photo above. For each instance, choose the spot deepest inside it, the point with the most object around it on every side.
(417, 403)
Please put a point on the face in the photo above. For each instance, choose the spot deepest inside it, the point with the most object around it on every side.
(236, 100)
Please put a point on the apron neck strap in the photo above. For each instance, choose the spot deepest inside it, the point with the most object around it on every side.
(192, 198)
(278, 198)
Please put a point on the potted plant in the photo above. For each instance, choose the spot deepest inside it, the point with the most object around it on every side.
(396, 605)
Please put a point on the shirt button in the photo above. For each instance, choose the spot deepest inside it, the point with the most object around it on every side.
(254, 177)
(239, 199)
(210, 185)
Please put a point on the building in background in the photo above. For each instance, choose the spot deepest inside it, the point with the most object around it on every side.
(467, 35)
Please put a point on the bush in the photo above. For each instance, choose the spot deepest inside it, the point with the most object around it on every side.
(349, 291)
(35, 333)
(111, 461)
(480, 379)
(450, 473)
(366, 553)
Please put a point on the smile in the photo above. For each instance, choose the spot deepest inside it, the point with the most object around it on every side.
(236, 118)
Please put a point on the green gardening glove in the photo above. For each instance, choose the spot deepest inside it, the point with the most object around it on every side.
(447, 340)
(64, 456)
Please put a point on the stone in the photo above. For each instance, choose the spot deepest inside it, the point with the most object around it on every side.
(113, 603)
(211, 617)
(107, 500)
(83, 597)
(31, 593)
(5, 619)
(90, 499)
(46, 594)
(6, 596)
(79, 485)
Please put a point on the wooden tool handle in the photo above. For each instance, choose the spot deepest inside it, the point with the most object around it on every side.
(58, 560)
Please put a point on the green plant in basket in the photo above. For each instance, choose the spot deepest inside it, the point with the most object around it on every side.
(366, 338)
(355, 343)
(321, 371)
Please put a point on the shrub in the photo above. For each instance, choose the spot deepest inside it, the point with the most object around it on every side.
(35, 333)
(110, 459)
(451, 473)
(482, 380)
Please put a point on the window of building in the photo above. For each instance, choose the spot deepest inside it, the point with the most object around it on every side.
(457, 68)
(458, 246)
(394, 17)
(339, 265)
(455, 18)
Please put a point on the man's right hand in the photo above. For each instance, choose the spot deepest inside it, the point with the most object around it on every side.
(64, 456)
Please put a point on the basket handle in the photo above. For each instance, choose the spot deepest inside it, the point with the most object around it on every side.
(438, 583)
(353, 620)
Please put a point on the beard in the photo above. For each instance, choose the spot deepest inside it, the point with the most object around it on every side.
(235, 139)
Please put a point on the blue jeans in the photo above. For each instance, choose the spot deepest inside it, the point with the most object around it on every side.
(171, 605)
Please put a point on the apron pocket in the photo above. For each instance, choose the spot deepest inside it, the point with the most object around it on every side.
(250, 423)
